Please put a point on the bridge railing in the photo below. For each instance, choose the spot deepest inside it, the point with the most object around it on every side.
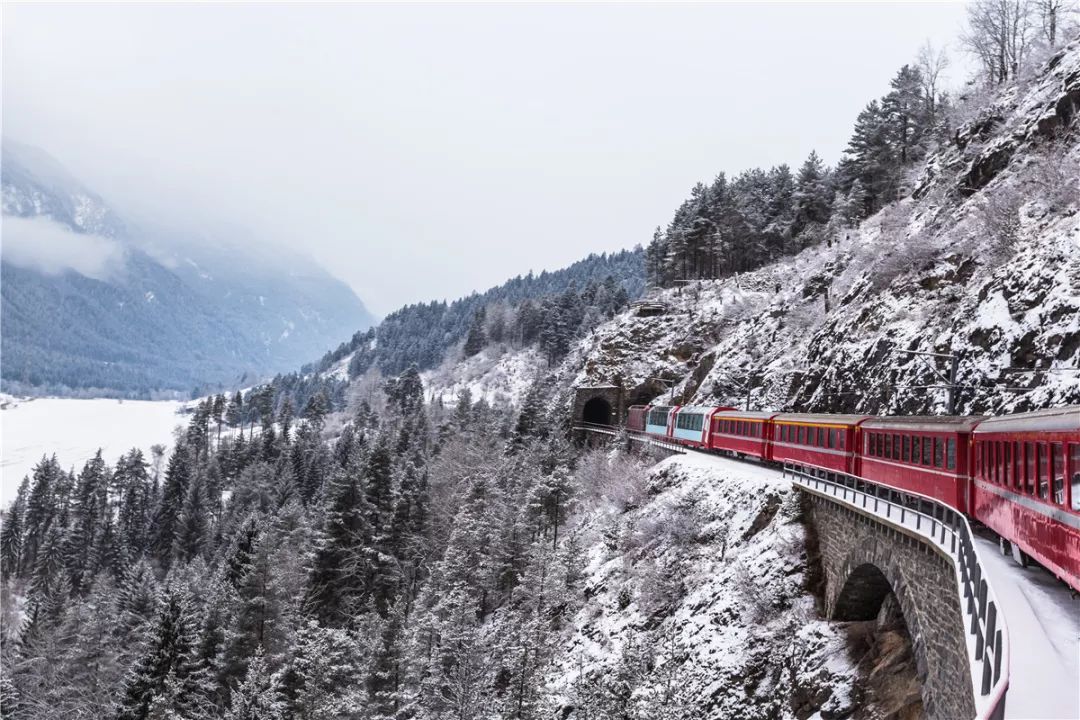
(949, 530)
(635, 435)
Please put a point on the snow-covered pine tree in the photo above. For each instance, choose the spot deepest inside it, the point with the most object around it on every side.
(476, 339)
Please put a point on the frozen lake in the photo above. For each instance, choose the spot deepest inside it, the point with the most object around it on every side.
(75, 429)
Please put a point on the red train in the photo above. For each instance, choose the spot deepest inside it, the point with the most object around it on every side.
(1018, 475)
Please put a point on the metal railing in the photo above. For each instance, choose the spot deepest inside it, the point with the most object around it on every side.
(947, 529)
(635, 435)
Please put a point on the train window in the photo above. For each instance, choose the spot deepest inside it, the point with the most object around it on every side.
(950, 454)
(832, 438)
(1074, 461)
(915, 440)
(1057, 472)
(1042, 470)
(906, 457)
(927, 451)
(887, 449)
(939, 453)
(871, 444)
(1013, 469)
(895, 447)
(800, 435)
(1007, 466)
(1029, 468)
(820, 437)
(840, 442)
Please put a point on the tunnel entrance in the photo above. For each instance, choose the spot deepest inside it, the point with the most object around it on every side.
(597, 411)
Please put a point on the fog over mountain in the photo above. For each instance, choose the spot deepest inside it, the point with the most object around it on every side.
(456, 145)
(96, 303)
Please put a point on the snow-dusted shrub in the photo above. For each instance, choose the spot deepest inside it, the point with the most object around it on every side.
(660, 585)
(616, 479)
(1054, 178)
(997, 218)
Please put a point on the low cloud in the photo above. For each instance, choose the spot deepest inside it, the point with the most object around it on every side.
(50, 247)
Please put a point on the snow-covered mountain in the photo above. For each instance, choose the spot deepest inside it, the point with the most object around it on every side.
(95, 303)
(981, 260)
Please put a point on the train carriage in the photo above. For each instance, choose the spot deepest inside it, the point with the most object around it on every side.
(741, 432)
(925, 455)
(635, 417)
(691, 425)
(822, 441)
(1027, 485)
(658, 419)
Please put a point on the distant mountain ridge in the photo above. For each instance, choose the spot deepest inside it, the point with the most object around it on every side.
(94, 304)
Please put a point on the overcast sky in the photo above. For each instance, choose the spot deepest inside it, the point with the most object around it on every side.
(424, 151)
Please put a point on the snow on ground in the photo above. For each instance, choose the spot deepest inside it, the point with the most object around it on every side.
(1043, 619)
(708, 575)
(496, 374)
(74, 429)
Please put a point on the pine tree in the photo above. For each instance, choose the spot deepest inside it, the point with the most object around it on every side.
(192, 528)
(813, 197)
(133, 518)
(906, 112)
(12, 533)
(167, 516)
(164, 672)
(42, 509)
(339, 565)
(285, 418)
(476, 339)
(258, 697)
(89, 512)
(235, 412)
(218, 413)
(316, 409)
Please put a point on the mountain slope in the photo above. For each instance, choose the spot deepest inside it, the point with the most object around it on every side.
(982, 261)
(94, 304)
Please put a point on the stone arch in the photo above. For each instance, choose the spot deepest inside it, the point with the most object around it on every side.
(858, 551)
(867, 578)
(598, 411)
(601, 404)
(863, 594)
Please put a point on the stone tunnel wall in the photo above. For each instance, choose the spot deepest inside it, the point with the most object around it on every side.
(611, 394)
(924, 584)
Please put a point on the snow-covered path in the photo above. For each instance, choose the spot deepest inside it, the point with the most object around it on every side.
(1044, 637)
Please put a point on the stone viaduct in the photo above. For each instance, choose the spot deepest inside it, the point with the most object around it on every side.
(865, 559)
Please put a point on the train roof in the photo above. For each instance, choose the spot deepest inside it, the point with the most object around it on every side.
(820, 418)
(1062, 418)
(927, 423)
(745, 414)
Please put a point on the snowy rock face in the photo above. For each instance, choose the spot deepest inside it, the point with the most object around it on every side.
(695, 606)
(982, 261)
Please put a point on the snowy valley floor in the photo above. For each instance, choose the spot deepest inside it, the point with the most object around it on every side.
(75, 429)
